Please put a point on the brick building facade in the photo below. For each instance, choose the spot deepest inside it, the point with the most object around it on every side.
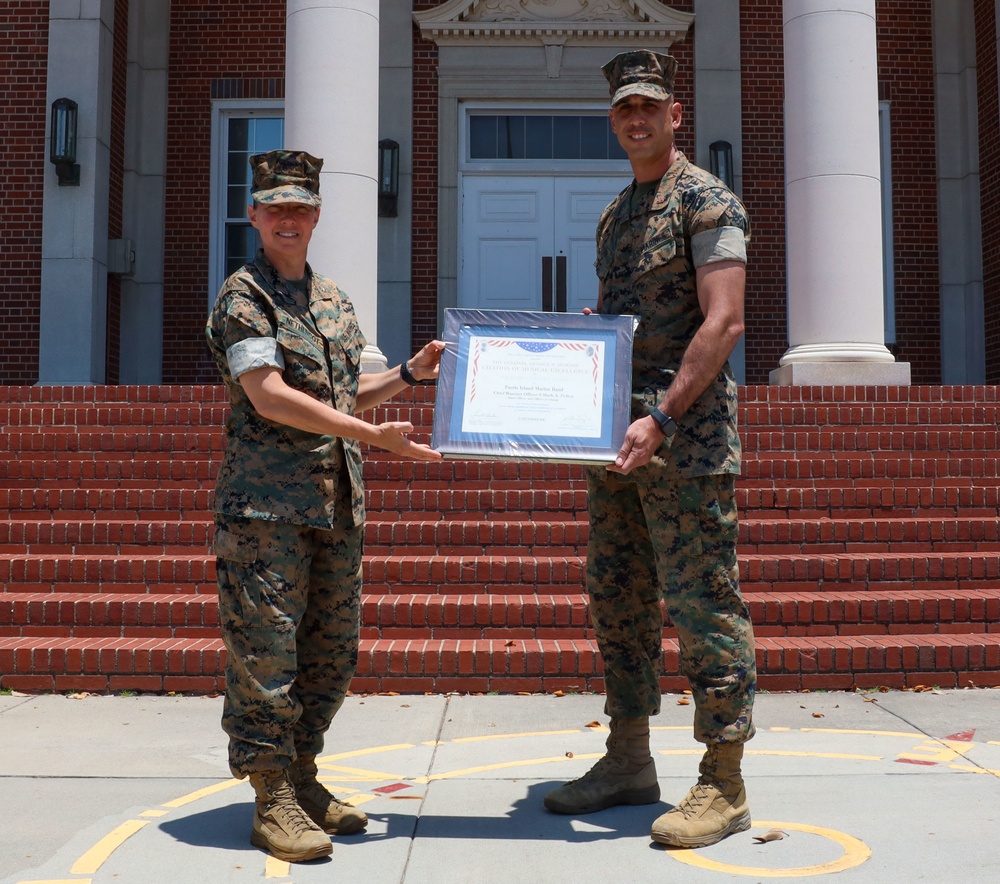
(164, 112)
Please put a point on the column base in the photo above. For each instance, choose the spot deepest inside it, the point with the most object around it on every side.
(841, 374)
(373, 360)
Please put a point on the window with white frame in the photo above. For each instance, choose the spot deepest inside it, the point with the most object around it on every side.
(241, 130)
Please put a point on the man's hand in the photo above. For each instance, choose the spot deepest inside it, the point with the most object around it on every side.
(642, 439)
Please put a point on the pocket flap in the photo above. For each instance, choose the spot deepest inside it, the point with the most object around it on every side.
(234, 548)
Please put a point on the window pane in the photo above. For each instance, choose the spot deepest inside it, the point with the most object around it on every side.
(594, 138)
(238, 134)
(566, 137)
(266, 134)
(239, 168)
(237, 200)
(241, 245)
(615, 150)
(483, 137)
(543, 137)
(538, 138)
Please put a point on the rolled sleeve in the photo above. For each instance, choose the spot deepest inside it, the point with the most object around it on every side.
(251, 353)
(719, 244)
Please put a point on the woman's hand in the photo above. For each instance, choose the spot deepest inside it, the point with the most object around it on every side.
(425, 364)
(392, 436)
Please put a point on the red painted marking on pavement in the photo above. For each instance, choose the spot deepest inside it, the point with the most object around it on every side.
(963, 736)
(395, 787)
(916, 761)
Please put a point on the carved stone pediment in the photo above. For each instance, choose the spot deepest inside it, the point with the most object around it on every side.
(563, 22)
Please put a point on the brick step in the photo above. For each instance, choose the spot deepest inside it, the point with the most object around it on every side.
(507, 537)
(107, 503)
(185, 441)
(760, 404)
(105, 537)
(511, 575)
(911, 534)
(765, 445)
(505, 665)
(120, 615)
(791, 405)
(56, 416)
(803, 613)
(75, 469)
(478, 615)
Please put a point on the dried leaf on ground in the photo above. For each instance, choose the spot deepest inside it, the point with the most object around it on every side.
(770, 835)
(569, 754)
(683, 701)
(592, 724)
(818, 715)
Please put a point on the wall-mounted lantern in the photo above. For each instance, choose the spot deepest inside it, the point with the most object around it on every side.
(388, 177)
(721, 158)
(62, 141)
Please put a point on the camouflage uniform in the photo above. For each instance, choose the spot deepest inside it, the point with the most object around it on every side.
(668, 530)
(289, 519)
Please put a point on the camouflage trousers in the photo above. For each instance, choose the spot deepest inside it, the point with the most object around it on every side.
(655, 538)
(289, 608)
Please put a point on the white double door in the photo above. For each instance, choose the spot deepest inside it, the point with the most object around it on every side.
(527, 242)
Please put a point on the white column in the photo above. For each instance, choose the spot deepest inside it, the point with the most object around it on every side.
(74, 285)
(144, 191)
(331, 111)
(833, 198)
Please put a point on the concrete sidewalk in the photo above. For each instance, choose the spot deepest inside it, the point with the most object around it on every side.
(867, 787)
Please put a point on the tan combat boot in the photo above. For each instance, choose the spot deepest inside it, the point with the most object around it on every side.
(715, 807)
(280, 826)
(624, 775)
(332, 815)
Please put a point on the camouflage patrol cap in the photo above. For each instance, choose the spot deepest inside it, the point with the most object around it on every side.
(286, 176)
(641, 72)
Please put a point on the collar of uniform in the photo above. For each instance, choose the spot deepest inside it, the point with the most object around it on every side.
(268, 271)
(669, 181)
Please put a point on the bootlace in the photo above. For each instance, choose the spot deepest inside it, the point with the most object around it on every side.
(284, 806)
(605, 764)
(315, 792)
(701, 793)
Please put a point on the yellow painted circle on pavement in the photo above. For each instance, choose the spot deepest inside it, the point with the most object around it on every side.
(855, 853)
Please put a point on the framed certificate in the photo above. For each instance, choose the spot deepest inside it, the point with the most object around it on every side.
(521, 385)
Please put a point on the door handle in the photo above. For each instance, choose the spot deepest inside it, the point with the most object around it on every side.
(561, 283)
(547, 284)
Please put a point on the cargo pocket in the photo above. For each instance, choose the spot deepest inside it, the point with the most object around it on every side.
(238, 577)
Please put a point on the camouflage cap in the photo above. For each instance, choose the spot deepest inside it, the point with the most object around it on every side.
(286, 176)
(641, 72)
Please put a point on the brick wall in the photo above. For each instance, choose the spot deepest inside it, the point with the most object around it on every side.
(119, 78)
(905, 73)
(237, 48)
(989, 175)
(764, 185)
(423, 270)
(23, 54)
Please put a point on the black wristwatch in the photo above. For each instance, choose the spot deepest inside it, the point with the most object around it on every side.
(667, 425)
(406, 374)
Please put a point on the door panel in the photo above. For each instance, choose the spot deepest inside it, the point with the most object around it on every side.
(507, 228)
(579, 203)
(528, 242)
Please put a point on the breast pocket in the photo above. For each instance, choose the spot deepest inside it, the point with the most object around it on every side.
(305, 360)
(658, 253)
